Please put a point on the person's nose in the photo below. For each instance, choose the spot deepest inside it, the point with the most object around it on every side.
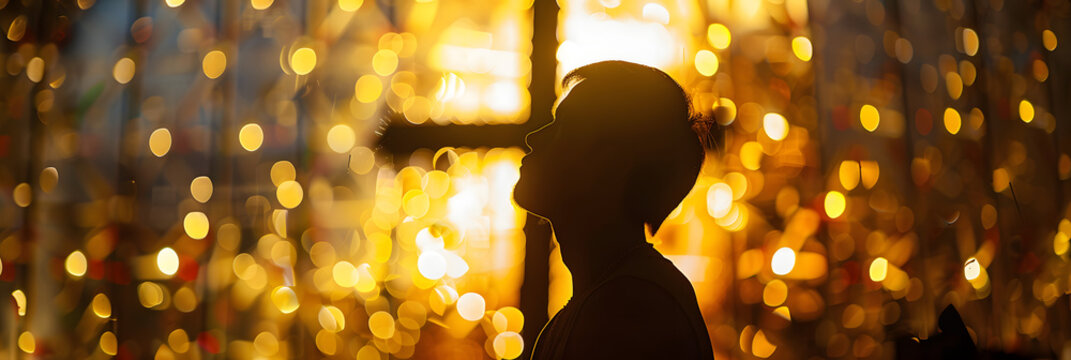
(537, 138)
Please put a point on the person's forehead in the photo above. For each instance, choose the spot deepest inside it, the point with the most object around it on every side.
(567, 88)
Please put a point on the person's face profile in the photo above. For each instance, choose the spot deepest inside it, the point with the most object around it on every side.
(553, 155)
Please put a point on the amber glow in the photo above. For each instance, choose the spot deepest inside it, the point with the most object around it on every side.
(802, 48)
(869, 118)
(775, 125)
(783, 261)
(1026, 111)
(719, 36)
(251, 136)
(214, 63)
(835, 204)
(76, 263)
(303, 60)
(879, 269)
(167, 261)
(160, 142)
(276, 179)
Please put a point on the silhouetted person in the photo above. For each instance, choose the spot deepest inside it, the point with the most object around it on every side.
(951, 342)
(620, 153)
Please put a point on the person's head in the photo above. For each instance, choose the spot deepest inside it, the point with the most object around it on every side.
(622, 143)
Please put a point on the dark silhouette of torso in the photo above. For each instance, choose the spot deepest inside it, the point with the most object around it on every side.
(643, 309)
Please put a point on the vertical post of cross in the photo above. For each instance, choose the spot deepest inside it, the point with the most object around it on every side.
(534, 291)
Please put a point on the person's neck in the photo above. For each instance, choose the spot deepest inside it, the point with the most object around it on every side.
(589, 248)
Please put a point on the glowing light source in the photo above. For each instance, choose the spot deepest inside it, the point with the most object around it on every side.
(719, 36)
(869, 117)
(953, 122)
(835, 204)
(970, 42)
(954, 85)
(251, 136)
(341, 138)
(261, 4)
(381, 324)
(508, 345)
(185, 300)
(123, 71)
(365, 281)
(849, 174)
(76, 264)
(285, 299)
(784, 259)
(150, 294)
(303, 60)
(266, 344)
(971, 269)
(368, 88)
(289, 194)
(350, 5)
(167, 261)
(49, 178)
(214, 63)
(879, 269)
(20, 301)
(1026, 111)
(331, 318)
(775, 126)
(345, 274)
(384, 62)
(179, 341)
(503, 97)
(368, 352)
(412, 315)
(174, 3)
(35, 69)
(1060, 243)
(706, 62)
(22, 195)
(416, 203)
(431, 265)
(160, 142)
(783, 312)
(196, 225)
(282, 171)
(108, 343)
(102, 307)
(719, 200)
(27, 343)
(17, 29)
(774, 293)
(471, 306)
(761, 346)
(201, 189)
(802, 48)
(751, 155)
(362, 159)
(1001, 179)
(1048, 38)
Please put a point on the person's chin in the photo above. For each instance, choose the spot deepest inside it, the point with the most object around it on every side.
(524, 196)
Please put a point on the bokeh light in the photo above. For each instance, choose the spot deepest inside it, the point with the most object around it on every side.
(167, 261)
(783, 261)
